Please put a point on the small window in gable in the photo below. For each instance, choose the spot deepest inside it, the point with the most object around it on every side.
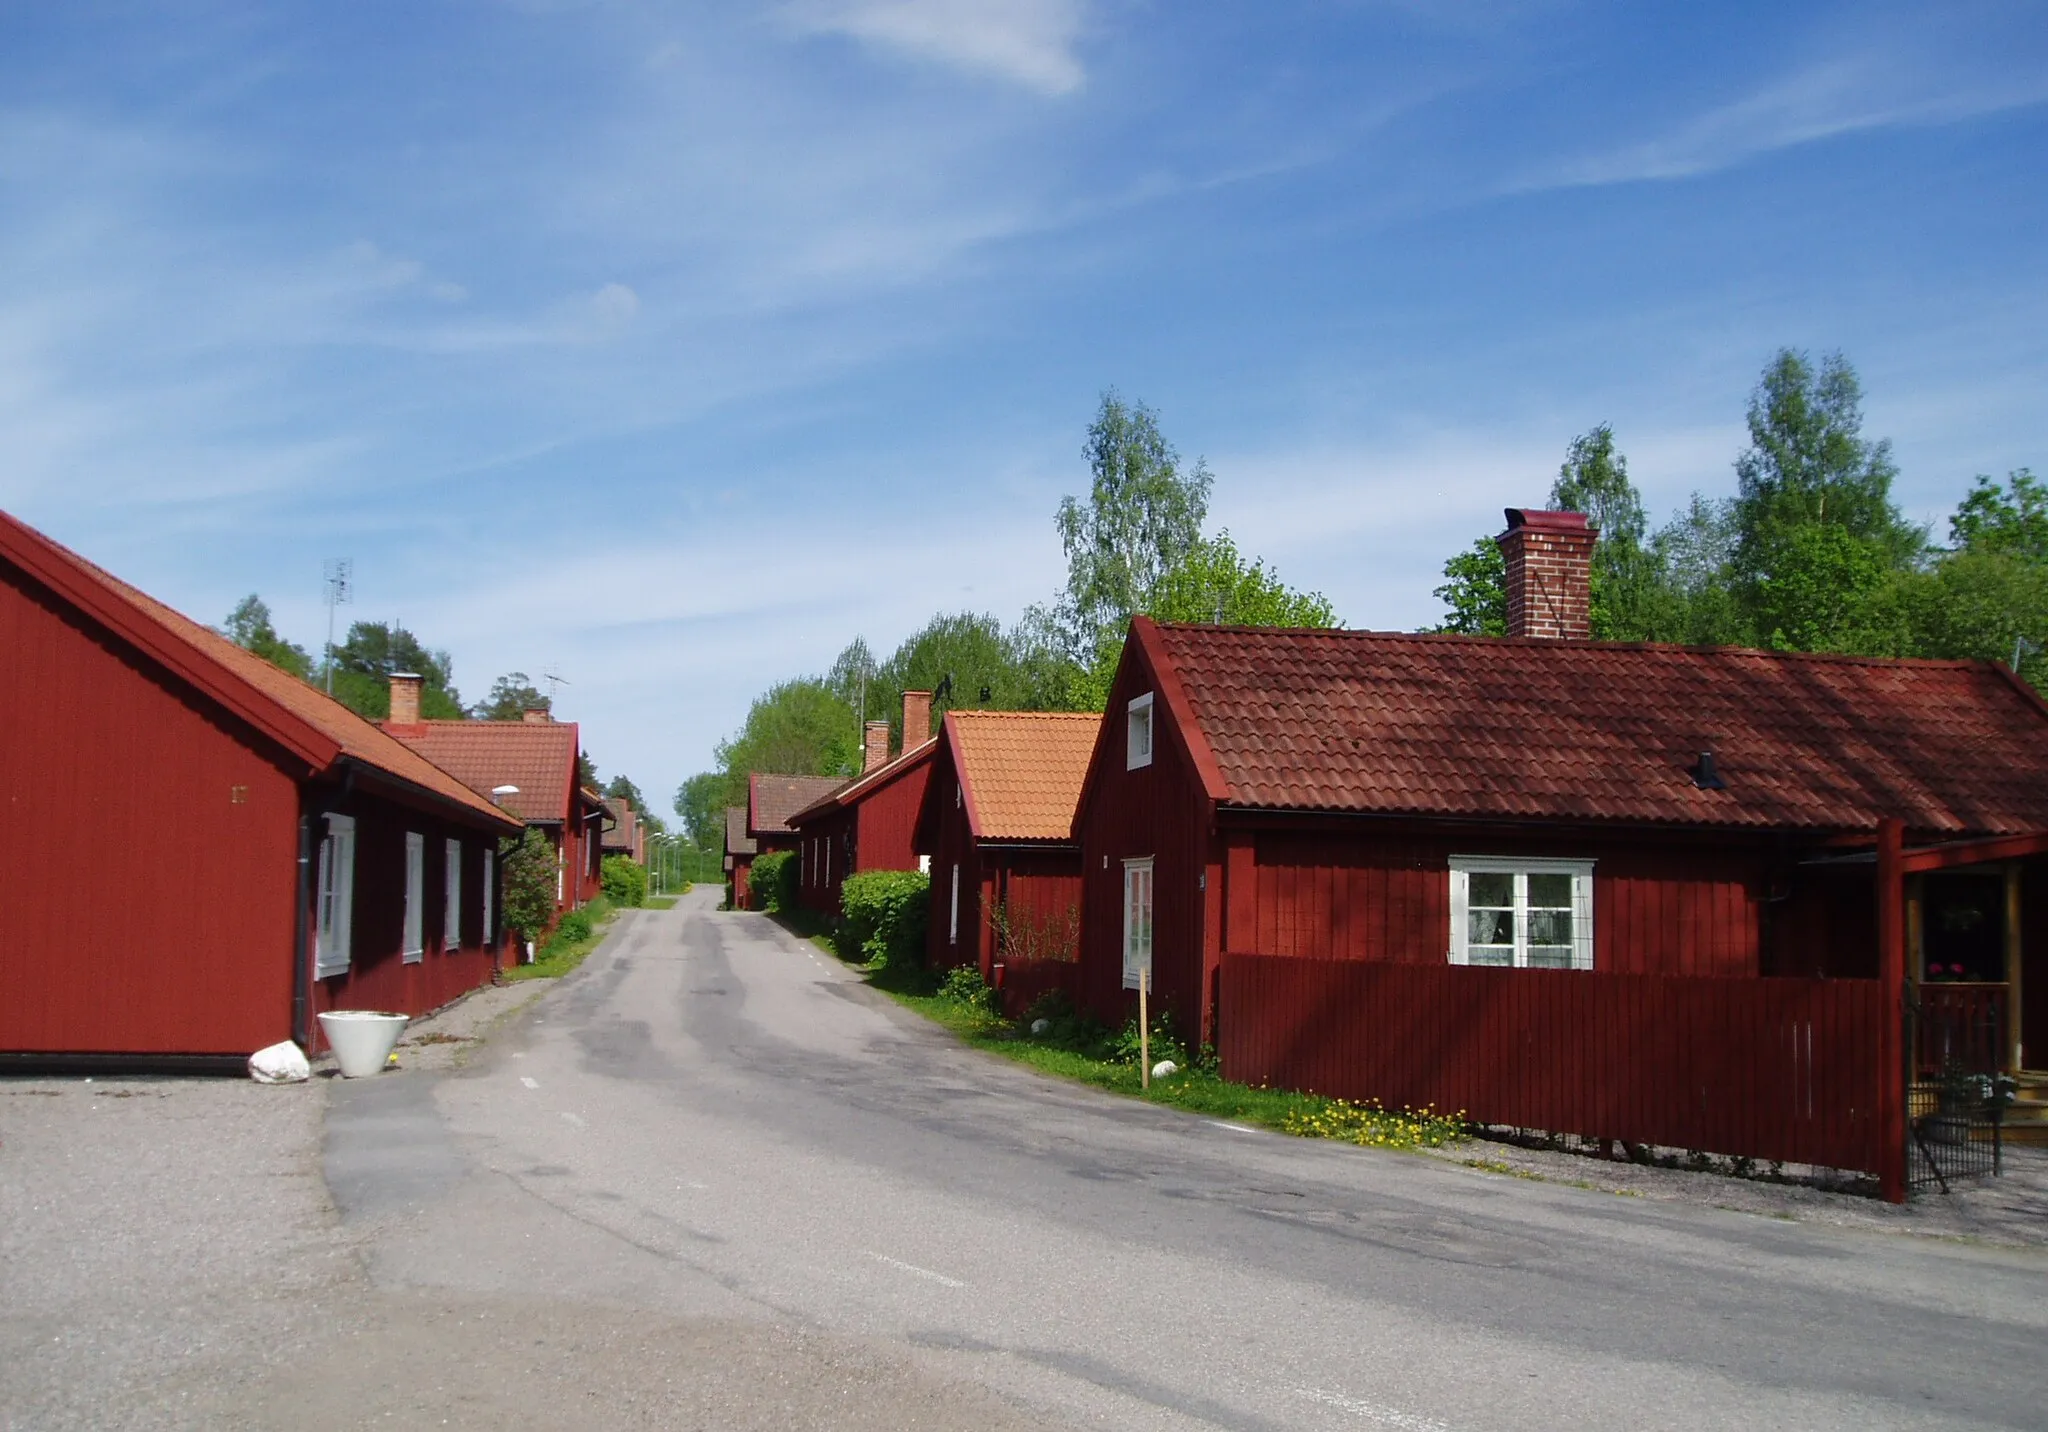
(1138, 733)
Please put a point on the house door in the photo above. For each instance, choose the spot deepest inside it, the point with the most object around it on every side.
(1966, 971)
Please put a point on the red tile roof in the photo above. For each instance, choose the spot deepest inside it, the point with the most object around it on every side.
(304, 720)
(772, 800)
(1021, 771)
(866, 784)
(1472, 726)
(737, 841)
(539, 757)
(620, 837)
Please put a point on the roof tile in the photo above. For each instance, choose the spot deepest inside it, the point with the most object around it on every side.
(1474, 726)
(539, 757)
(1023, 769)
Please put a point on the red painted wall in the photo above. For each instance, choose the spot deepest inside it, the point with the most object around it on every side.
(876, 833)
(378, 977)
(1158, 810)
(1683, 909)
(169, 930)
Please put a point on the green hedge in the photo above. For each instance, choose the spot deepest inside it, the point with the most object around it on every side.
(883, 916)
(773, 879)
(624, 880)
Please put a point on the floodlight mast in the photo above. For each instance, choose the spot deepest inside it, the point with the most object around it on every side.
(340, 575)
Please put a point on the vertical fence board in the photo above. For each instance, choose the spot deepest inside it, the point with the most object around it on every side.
(1768, 1069)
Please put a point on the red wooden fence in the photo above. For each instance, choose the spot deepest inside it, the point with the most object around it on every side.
(1768, 1068)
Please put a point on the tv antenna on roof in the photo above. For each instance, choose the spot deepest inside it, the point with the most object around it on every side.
(340, 575)
(556, 681)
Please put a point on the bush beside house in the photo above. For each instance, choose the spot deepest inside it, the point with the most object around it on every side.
(883, 915)
(624, 880)
(773, 881)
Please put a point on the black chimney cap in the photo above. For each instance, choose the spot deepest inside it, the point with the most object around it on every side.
(1705, 776)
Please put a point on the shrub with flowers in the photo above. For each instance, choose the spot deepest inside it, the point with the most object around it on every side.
(1370, 1126)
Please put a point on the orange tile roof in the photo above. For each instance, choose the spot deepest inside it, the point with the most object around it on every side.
(1021, 771)
(621, 835)
(539, 757)
(302, 718)
(1492, 727)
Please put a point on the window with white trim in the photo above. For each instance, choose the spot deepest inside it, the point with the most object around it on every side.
(1137, 919)
(1521, 912)
(488, 920)
(451, 897)
(1138, 733)
(953, 924)
(334, 897)
(415, 897)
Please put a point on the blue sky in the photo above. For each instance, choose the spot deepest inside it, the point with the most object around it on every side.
(669, 347)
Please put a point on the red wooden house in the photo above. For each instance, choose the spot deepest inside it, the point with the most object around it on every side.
(771, 801)
(1542, 819)
(623, 833)
(997, 827)
(740, 850)
(274, 855)
(536, 757)
(867, 823)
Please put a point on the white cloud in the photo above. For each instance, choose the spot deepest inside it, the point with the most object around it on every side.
(1823, 101)
(1030, 42)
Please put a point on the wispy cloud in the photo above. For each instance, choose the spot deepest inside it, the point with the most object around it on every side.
(1822, 101)
(1029, 42)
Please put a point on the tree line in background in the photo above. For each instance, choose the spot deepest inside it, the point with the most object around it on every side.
(1133, 545)
(1810, 553)
(362, 667)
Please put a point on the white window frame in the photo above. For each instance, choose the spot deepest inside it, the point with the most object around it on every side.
(1463, 867)
(451, 902)
(415, 898)
(1139, 913)
(1138, 723)
(488, 923)
(335, 897)
(953, 924)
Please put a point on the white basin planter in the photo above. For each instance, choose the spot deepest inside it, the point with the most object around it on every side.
(361, 1039)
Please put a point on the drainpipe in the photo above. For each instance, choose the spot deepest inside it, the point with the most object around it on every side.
(302, 963)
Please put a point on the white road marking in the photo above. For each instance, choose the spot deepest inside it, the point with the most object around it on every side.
(1234, 1128)
(912, 1268)
(575, 1119)
(529, 1082)
(1374, 1412)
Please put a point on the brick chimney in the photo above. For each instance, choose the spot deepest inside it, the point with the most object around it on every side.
(536, 715)
(1550, 573)
(917, 719)
(405, 698)
(877, 735)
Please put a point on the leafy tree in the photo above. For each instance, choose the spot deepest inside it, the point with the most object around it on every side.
(1693, 552)
(1813, 507)
(586, 772)
(1630, 600)
(1143, 515)
(797, 728)
(701, 803)
(248, 626)
(528, 894)
(364, 663)
(2013, 522)
(512, 696)
(1475, 591)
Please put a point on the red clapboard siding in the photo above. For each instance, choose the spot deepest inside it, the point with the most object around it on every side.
(1764, 1068)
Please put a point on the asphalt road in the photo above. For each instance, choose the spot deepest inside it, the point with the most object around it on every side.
(714, 1180)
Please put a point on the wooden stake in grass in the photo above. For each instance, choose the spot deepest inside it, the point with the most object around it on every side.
(1144, 1028)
